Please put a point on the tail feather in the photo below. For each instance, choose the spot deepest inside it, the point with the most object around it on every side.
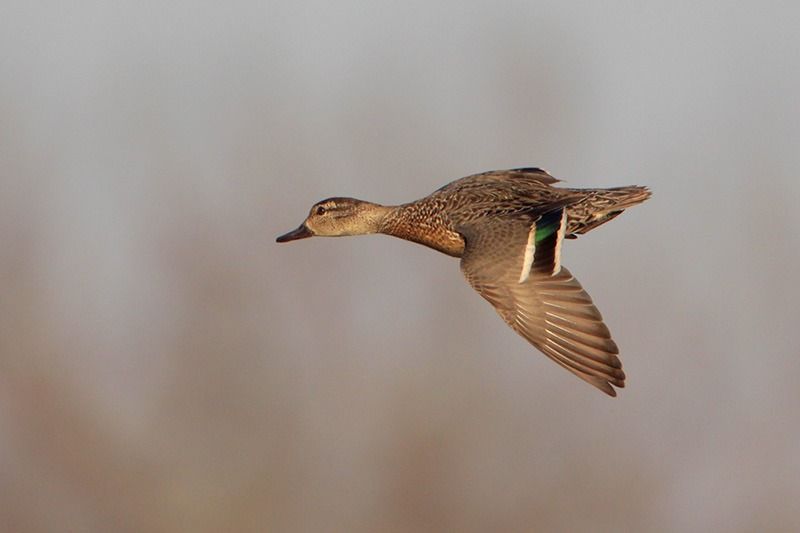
(598, 206)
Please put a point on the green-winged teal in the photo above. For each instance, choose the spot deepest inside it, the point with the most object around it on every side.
(507, 226)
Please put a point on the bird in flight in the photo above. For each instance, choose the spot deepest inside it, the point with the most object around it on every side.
(508, 228)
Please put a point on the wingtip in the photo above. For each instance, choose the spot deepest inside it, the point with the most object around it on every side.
(607, 387)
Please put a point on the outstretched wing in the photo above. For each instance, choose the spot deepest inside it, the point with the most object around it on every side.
(515, 264)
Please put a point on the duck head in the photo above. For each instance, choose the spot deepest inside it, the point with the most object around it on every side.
(337, 217)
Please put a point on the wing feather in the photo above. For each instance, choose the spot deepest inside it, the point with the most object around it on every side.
(551, 311)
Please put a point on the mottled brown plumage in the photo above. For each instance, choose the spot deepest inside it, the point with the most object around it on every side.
(507, 227)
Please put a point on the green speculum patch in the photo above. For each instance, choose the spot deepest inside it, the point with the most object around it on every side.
(545, 232)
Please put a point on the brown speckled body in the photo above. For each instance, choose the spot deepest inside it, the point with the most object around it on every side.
(434, 221)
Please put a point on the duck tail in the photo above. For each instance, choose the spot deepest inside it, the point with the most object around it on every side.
(598, 206)
(625, 197)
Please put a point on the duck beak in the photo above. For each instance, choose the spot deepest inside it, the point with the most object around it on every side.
(300, 233)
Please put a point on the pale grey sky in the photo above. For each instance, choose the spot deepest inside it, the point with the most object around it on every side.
(167, 366)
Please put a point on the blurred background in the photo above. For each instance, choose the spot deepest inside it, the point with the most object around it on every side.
(166, 366)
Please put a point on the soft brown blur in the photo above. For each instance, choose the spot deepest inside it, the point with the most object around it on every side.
(166, 366)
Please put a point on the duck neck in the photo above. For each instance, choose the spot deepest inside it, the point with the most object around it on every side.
(374, 219)
(418, 224)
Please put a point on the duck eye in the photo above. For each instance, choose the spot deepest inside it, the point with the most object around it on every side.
(320, 210)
